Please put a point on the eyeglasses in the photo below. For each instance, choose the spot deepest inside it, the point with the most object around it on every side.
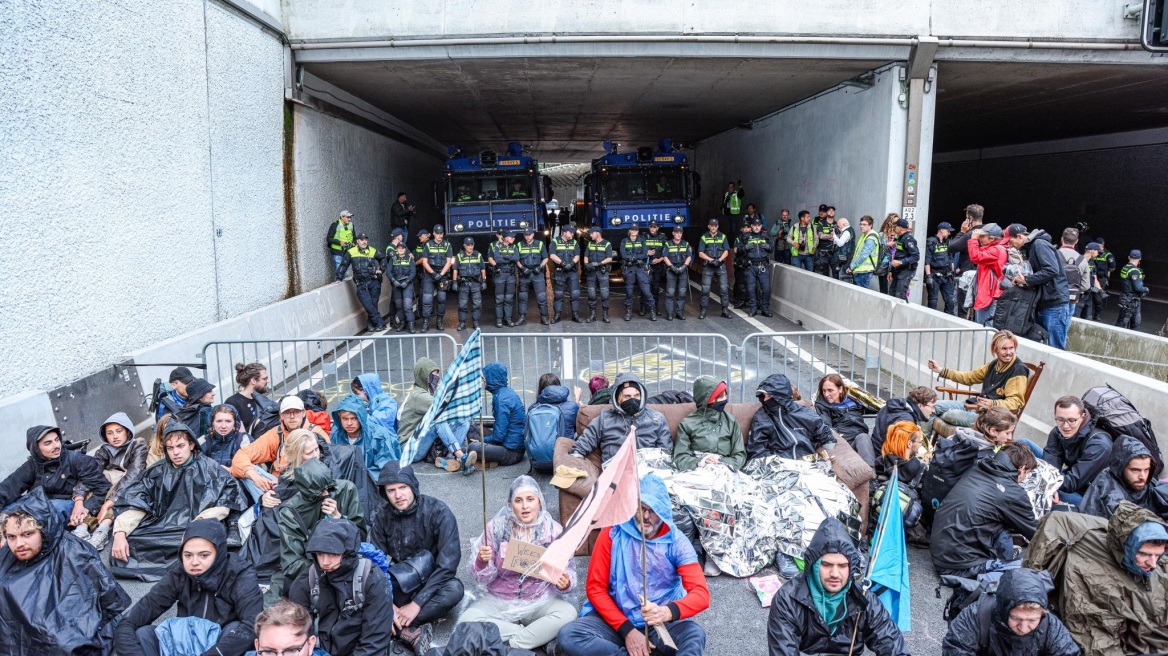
(295, 651)
(1067, 422)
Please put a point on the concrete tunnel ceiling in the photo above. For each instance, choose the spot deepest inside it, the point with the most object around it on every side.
(565, 107)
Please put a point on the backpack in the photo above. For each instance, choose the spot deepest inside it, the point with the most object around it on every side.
(360, 574)
(883, 257)
(1074, 276)
(952, 457)
(1117, 416)
(266, 417)
(539, 435)
(1016, 312)
(160, 397)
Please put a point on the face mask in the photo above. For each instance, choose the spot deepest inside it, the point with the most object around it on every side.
(433, 382)
(718, 406)
(630, 406)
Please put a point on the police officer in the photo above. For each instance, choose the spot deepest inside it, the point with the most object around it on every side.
(401, 273)
(940, 270)
(1103, 264)
(517, 190)
(1132, 290)
(678, 256)
(463, 193)
(757, 250)
(397, 237)
(904, 260)
(470, 277)
(635, 267)
(504, 262)
(655, 241)
(437, 261)
(532, 269)
(825, 244)
(740, 264)
(713, 251)
(367, 267)
(597, 260)
(565, 254)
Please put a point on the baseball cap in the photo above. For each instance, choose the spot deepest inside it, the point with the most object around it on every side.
(654, 224)
(508, 233)
(1094, 246)
(1135, 255)
(756, 221)
(423, 233)
(347, 213)
(529, 230)
(568, 228)
(181, 374)
(1016, 229)
(438, 229)
(992, 230)
(945, 226)
(291, 402)
(823, 208)
(1100, 240)
(902, 223)
(678, 228)
(712, 222)
(634, 227)
(594, 228)
(361, 235)
(565, 476)
(397, 232)
(467, 241)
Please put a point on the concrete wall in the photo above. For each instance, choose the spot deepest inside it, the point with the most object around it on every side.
(1079, 19)
(821, 303)
(116, 177)
(342, 166)
(1142, 353)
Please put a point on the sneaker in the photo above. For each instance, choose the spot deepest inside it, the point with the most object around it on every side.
(787, 567)
(450, 465)
(100, 537)
(552, 648)
(82, 531)
(711, 569)
(468, 470)
(469, 459)
(419, 639)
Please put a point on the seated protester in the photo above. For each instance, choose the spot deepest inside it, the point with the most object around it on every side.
(316, 409)
(528, 611)
(419, 400)
(783, 426)
(617, 612)
(818, 610)
(900, 450)
(285, 628)
(216, 592)
(154, 511)
(971, 529)
(992, 430)
(1111, 578)
(266, 449)
(1016, 619)
(381, 406)
(610, 428)
(352, 425)
(176, 397)
(348, 620)
(505, 445)
(844, 415)
(598, 387)
(420, 536)
(1129, 478)
(196, 414)
(56, 596)
(318, 494)
(552, 392)
(122, 458)
(252, 379)
(226, 437)
(917, 407)
(1003, 382)
(72, 481)
(709, 430)
(1077, 448)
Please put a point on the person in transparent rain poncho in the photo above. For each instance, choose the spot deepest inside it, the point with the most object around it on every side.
(528, 611)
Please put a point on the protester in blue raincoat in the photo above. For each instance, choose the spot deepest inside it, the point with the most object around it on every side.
(352, 425)
(613, 616)
(505, 444)
(381, 405)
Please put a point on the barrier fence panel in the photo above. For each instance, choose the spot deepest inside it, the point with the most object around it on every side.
(884, 363)
(328, 365)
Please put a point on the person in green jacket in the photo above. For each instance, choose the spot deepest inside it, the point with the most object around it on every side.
(318, 494)
(709, 430)
(453, 436)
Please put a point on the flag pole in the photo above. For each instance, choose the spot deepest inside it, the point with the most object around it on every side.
(483, 465)
(867, 580)
(644, 558)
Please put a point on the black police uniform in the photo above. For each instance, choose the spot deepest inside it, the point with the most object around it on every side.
(940, 281)
(1102, 265)
(656, 244)
(566, 276)
(676, 277)
(824, 247)
(714, 246)
(757, 251)
(469, 271)
(367, 266)
(635, 267)
(531, 276)
(908, 254)
(401, 274)
(1132, 290)
(597, 272)
(434, 283)
(419, 255)
(505, 258)
(741, 263)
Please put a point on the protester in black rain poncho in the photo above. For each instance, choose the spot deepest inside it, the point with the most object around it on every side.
(782, 427)
(155, 510)
(69, 479)
(1014, 620)
(1128, 478)
(56, 596)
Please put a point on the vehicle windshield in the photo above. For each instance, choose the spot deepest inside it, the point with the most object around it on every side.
(471, 188)
(643, 185)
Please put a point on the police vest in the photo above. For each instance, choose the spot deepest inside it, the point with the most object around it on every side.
(531, 254)
(364, 262)
(519, 194)
(634, 250)
(940, 253)
(655, 243)
(734, 202)
(462, 198)
(506, 256)
(1128, 276)
(469, 266)
(344, 233)
(869, 262)
(756, 247)
(677, 252)
(565, 249)
(807, 235)
(399, 267)
(598, 251)
(824, 232)
(420, 251)
(714, 246)
(1102, 264)
(437, 254)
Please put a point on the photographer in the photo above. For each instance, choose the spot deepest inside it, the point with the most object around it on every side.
(401, 213)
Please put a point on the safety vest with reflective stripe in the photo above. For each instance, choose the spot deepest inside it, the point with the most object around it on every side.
(735, 203)
(808, 236)
(869, 263)
(343, 234)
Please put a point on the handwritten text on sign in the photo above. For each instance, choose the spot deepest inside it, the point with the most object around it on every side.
(523, 557)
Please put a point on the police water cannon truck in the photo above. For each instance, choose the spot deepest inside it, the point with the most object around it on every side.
(483, 192)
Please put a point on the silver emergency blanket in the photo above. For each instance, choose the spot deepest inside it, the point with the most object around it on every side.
(1040, 486)
(745, 518)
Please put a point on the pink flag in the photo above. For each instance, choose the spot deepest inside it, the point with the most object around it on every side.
(613, 500)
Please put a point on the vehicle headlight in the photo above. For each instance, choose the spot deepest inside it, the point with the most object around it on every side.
(458, 227)
(523, 224)
(616, 220)
(678, 219)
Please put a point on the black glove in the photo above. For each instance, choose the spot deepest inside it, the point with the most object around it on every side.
(589, 266)
(454, 286)
(436, 276)
(482, 285)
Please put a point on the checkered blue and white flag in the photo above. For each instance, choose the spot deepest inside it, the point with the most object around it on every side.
(458, 398)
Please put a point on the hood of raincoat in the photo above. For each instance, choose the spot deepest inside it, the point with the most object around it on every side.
(37, 506)
(176, 426)
(654, 495)
(832, 538)
(123, 420)
(313, 478)
(371, 383)
(1129, 521)
(336, 536)
(495, 374)
(1020, 586)
(703, 387)
(974, 437)
(212, 531)
(779, 387)
(354, 404)
(553, 395)
(34, 435)
(393, 473)
(623, 380)
(1125, 450)
(422, 369)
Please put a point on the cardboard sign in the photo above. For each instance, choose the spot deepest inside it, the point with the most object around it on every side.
(523, 557)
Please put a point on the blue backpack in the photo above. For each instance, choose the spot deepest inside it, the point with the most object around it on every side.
(543, 427)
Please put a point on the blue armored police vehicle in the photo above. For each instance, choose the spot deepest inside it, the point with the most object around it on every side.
(482, 192)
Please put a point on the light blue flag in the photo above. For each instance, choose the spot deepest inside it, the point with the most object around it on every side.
(458, 397)
(888, 570)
